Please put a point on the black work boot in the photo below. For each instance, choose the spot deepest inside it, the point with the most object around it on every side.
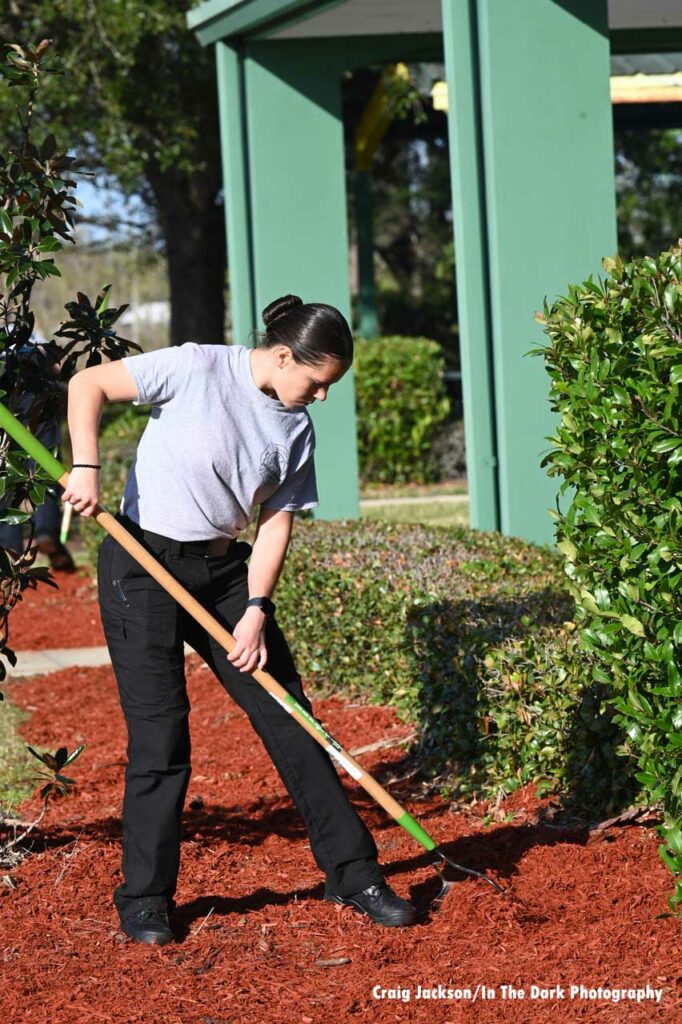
(379, 903)
(147, 920)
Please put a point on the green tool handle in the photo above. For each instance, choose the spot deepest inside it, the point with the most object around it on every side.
(42, 456)
(23, 436)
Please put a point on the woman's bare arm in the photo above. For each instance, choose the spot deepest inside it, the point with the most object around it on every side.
(265, 565)
(88, 391)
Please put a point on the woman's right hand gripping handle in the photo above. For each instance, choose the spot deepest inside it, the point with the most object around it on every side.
(82, 490)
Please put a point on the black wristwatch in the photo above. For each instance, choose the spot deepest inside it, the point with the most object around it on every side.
(264, 603)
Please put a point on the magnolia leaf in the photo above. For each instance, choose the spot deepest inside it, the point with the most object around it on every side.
(36, 754)
(103, 299)
(670, 297)
(673, 837)
(74, 755)
(666, 445)
(633, 624)
(568, 548)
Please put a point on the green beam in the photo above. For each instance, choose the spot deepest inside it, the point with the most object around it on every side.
(349, 52)
(368, 324)
(222, 19)
(551, 218)
(470, 226)
(531, 148)
(237, 206)
(646, 40)
(298, 216)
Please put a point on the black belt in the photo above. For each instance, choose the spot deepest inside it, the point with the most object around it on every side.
(214, 548)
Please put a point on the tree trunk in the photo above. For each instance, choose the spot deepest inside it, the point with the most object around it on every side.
(193, 225)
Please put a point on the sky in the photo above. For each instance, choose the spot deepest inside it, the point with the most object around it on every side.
(98, 201)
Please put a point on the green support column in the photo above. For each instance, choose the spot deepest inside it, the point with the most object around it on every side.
(294, 158)
(551, 200)
(368, 323)
(536, 142)
(471, 264)
(229, 67)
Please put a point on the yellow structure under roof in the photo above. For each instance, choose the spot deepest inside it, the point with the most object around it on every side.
(646, 88)
(377, 117)
(624, 89)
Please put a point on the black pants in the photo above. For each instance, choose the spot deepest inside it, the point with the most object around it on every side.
(145, 630)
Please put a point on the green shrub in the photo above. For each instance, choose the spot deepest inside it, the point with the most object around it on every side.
(463, 632)
(551, 723)
(401, 404)
(615, 362)
(37, 203)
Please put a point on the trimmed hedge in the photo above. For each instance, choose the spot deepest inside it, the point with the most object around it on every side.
(401, 408)
(470, 636)
(615, 363)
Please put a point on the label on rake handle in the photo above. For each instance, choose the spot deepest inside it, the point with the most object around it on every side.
(331, 746)
(339, 756)
(281, 702)
(291, 704)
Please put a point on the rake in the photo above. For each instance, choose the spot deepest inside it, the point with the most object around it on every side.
(54, 468)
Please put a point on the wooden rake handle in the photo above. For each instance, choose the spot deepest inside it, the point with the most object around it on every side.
(58, 472)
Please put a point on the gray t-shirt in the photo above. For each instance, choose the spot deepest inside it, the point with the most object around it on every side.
(215, 445)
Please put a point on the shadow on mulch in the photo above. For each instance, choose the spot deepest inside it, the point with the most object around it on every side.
(496, 852)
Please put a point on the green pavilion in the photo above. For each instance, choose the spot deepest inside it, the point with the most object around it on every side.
(533, 196)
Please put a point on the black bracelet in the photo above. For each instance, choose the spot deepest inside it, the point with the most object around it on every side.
(84, 465)
(264, 603)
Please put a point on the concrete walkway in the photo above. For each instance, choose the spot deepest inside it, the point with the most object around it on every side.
(32, 663)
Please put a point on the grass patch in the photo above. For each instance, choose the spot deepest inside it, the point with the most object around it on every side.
(414, 490)
(427, 513)
(15, 782)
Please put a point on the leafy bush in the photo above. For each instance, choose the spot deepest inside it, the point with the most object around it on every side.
(37, 204)
(615, 362)
(401, 404)
(468, 635)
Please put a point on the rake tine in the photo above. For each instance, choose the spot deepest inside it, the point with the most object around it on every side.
(467, 871)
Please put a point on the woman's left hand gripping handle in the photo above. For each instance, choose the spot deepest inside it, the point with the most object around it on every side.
(82, 490)
(249, 651)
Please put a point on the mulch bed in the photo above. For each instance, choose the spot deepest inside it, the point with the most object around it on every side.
(257, 942)
(46, 617)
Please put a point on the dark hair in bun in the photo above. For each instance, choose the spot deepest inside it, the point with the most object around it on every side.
(312, 330)
(279, 307)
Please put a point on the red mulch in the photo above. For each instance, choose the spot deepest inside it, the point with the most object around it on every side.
(66, 617)
(579, 912)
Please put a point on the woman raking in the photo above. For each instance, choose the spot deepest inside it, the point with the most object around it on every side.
(228, 432)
